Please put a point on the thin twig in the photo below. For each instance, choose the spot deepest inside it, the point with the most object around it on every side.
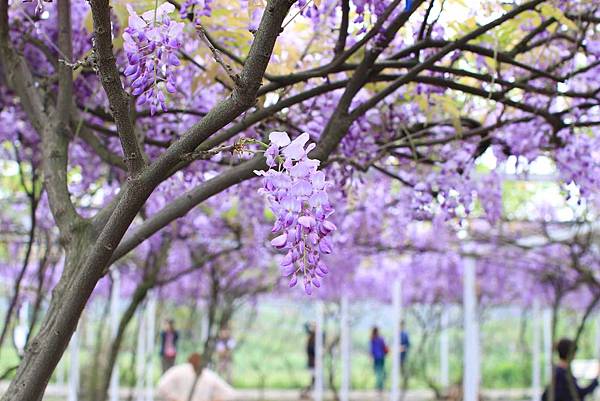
(216, 55)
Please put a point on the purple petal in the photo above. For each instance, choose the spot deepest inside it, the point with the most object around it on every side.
(307, 221)
(324, 246)
(279, 139)
(280, 241)
(173, 60)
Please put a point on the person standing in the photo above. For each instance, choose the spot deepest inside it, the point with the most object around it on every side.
(378, 353)
(168, 345)
(404, 345)
(310, 356)
(177, 383)
(224, 348)
(565, 386)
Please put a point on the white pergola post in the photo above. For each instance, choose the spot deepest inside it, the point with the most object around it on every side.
(24, 314)
(204, 328)
(547, 344)
(444, 348)
(318, 390)
(114, 326)
(150, 343)
(73, 385)
(22, 329)
(140, 358)
(536, 373)
(345, 349)
(471, 332)
(61, 370)
(396, 318)
(60, 374)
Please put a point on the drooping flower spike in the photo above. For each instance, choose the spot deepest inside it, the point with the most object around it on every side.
(151, 42)
(297, 194)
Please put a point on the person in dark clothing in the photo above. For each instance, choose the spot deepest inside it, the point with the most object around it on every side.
(168, 345)
(378, 353)
(404, 345)
(310, 354)
(565, 385)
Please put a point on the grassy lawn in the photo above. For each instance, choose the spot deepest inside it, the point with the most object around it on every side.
(271, 347)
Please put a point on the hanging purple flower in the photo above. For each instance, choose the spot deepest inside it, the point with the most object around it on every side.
(297, 194)
(151, 42)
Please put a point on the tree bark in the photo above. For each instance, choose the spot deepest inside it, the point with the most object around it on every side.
(138, 298)
(152, 268)
(45, 350)
(90, 246)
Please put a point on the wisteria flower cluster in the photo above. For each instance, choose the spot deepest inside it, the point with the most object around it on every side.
(151, 42)
(578, 161)
(297, 194)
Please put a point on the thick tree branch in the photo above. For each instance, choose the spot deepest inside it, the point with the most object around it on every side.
(98, 147)
(118, 99)
(429, 62)
(65, 73)
(55, 136)
(187, 201)
(333, 66)
(340, 120)
(340, 45)
(261, 114)
(18, 75)
(242, 97)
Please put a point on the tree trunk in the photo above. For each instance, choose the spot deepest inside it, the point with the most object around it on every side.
(91, 390)
(89, 249)
(138, 298)
(45, 350)
(152, 267)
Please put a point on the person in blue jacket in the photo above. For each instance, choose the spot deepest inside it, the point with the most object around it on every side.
(404, 345)
(378, 353)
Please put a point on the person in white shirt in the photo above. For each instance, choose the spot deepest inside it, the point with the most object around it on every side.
(177, 382)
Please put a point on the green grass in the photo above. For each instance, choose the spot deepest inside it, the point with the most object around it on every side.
(271, 347)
